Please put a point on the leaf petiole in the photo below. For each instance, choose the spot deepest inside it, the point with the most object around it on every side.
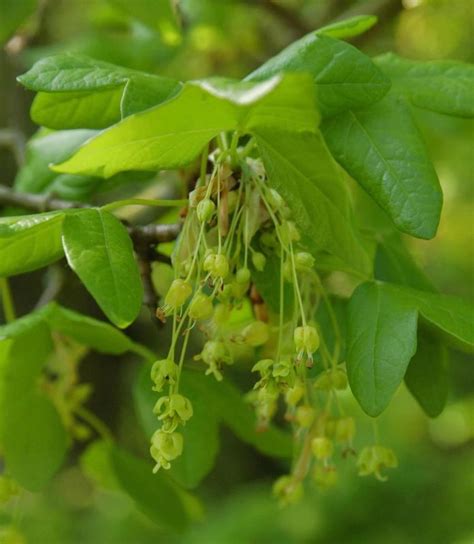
(144, 202)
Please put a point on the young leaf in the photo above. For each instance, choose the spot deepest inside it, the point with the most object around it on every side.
(444, 86)
(381, 340)
(80, 92)
(173, 134)
(301, 168)
(349, 28)
(345, 78)
(99, 250)
(427, 374)
(381, 148)
(30, 242)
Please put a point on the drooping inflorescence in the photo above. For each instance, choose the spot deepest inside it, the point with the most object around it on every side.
(235, 224)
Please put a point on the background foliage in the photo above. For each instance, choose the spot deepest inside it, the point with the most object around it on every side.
(427, 499)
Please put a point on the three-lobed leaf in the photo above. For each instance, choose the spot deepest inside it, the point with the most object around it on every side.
(345, 78)
(99, 250)
(382, 149)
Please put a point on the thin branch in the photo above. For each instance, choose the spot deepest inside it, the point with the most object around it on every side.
(287, 16)
(143, 235)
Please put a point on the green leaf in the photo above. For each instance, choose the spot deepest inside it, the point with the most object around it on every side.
(33, 438)
(300, 167)
(81, 92)
(173, 134)
(99, 250)
(444, 86)
(427, 374)
(381, 340)
(14, 14)
(394, 264)
(154, 494)
(90, 332)
(381, 148)
(95, 463)
(345, 78)
(155, 14)
(454, 317)
(381, 336)
(35, 441)
(349, 28)
(30, 242)
(35, 175)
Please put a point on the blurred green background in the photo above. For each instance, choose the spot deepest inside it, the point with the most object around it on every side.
(430, 498)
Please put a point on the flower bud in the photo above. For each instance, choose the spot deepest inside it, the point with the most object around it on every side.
(289, 232)
(214, 351)
(259, 261)
(221, 314)
(304, 416)
(288, 490)
(373, 459)
(220, 267)
(225, 294)
(324, 476)
(304, 260)
(201, 307)
(263, 367)
(275, 199)
(205, 210)
(239, 289)
(295, 394)
(179, 291)
(165, 447)
(269, 239)
(321, 447)
(306, 339)
(163, 372)
(255, 334)
(344, 430)
(209, 260)
(331, 379)
(242, 276)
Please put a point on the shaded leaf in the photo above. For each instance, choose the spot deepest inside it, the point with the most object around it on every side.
(301, 168)
(427, 374)
(14, 14)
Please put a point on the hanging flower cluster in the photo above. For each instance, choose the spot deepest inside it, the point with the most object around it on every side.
(235, 224)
